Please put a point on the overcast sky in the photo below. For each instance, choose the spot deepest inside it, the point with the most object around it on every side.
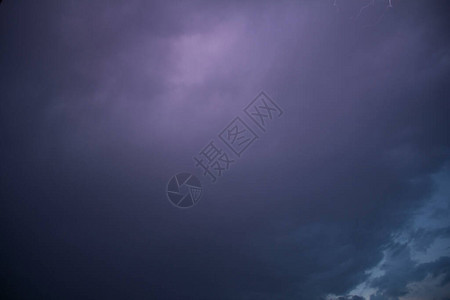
(345, 196)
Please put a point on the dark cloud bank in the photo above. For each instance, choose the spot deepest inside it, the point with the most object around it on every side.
(345, 197)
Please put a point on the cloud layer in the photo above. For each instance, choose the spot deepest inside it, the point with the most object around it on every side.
(345, 196)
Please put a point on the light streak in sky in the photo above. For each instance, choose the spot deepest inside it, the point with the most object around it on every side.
(370, 3)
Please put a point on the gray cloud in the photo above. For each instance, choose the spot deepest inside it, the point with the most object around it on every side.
(103, 103)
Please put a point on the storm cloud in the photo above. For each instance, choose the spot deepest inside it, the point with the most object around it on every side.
(345, 196)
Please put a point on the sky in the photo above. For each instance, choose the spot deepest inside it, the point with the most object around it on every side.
(344, 196)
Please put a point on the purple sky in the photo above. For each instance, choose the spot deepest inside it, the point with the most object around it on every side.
(346, 196)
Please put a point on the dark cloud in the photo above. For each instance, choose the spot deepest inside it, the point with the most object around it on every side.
(396, 282)
(103, 102)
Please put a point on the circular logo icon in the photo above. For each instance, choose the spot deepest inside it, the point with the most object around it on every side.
(184, 190)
